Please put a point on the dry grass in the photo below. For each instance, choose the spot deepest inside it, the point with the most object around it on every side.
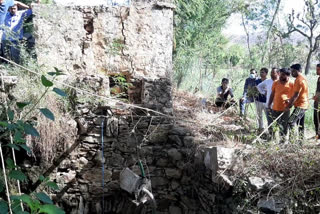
(55, 136)
(213, 125)
(295, 169)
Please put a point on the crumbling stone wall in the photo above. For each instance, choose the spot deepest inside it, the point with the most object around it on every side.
(103, 41)
(92, 40)
(93, 44)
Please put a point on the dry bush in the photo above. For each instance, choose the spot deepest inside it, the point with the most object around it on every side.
(55, 136)
(295, 169)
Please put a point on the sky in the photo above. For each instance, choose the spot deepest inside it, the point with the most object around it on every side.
(234, 27)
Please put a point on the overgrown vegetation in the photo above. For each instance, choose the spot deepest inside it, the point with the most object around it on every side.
(18, 121)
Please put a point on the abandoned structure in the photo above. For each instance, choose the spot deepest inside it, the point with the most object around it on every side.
(126, 52)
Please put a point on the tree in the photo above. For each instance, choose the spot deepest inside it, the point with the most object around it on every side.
(277, 8)
(307, 24)
(199, 43)
(259, 16)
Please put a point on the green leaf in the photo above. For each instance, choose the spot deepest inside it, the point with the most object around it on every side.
(21, 105)
(47, 113)
(57, 73)
(30, 130)
(16, 207)
(14, 146)
(50, 209)
(41, 178)
(4, 209)
(25, 147)
(52, 185)
(18, 138)
(46, 82)
(4, 124)
(18, 175)
(24, 198)
(10, 163)
(11, 126)
(44, 198)
(60, 92)
(10, 114)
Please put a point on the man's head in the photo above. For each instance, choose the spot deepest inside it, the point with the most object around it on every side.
(2, 1)
(295, 69)
(13, 10)
(253, 73)
(263, 73)
(225, 83)
(284, 74)
(275, 73)
(318, 69)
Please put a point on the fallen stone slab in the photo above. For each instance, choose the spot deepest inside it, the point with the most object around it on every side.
(272, 205)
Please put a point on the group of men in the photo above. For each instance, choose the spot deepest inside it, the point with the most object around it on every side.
(12, 16)
(275, 97)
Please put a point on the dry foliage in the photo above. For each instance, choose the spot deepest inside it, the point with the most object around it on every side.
(55, 136)
(296, 167)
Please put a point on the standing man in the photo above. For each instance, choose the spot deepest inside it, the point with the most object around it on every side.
(248, 86)
(280, 95)
(266, 88)
(260, 100)
(4, 6)
(316, 98)
(299, 100)
(13, 32)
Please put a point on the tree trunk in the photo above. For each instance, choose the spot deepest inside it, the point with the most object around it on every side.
(248, 37)
(269, 31)
(308, 62)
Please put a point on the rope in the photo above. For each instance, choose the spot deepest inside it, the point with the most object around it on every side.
(102, 161)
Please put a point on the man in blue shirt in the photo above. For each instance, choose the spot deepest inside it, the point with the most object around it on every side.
(4, 6)
(248, 87)
(13, 31)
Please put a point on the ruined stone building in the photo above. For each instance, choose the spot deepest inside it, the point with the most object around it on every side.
(95, 46)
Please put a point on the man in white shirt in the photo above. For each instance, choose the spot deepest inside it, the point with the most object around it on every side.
(265, 88)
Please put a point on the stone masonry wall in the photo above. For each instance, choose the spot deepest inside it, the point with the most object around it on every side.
(137, 40)
(93, 45)
(183, 175)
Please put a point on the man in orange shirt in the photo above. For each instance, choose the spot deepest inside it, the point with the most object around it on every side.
(280, 95)
(299, 100)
